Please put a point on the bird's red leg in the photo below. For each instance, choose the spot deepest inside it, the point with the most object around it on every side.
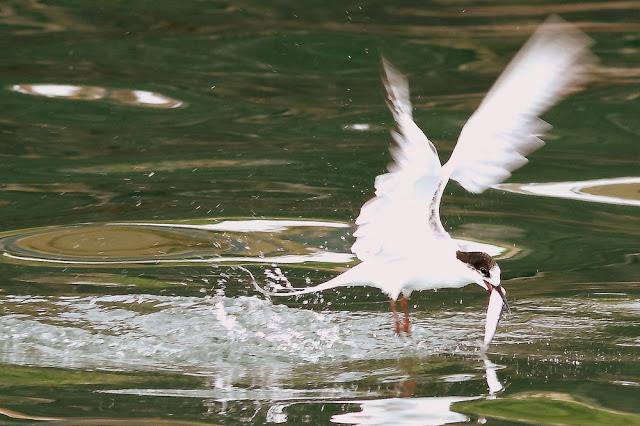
(404, 302)
(396, 321)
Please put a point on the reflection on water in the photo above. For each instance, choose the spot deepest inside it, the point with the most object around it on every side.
(404, 412)
(250, 350)
(623, 191)
(71, 421)
(262, 241)
(234, 393)
(255, 225)
(363, 127)
(491, 374)
(100, 197)
(141, 98)
(23, 416)
(490, 249)
(276, 109)
(512, 10)
(547, 408)
(417, 411)
(225, 242)
(384, 411)
(173, 165)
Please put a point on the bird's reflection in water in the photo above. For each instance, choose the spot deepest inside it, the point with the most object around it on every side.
(404, 410)
(491, 374)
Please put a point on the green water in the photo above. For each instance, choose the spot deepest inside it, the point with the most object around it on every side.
(149, 147)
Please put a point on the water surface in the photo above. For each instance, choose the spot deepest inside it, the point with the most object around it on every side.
(152, 148)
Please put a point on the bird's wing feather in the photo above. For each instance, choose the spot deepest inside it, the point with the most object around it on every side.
(494, 142)
(505, 128)
(404, 210)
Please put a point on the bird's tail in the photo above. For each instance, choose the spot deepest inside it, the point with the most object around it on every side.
(348, 278)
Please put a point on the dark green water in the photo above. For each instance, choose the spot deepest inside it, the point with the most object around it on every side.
(148, 147)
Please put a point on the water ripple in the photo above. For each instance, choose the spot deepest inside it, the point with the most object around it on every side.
(266, 241)
(180, 243)
(138, 98)
(622, 191)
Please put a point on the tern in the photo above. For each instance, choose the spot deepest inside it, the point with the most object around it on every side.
(400, 240)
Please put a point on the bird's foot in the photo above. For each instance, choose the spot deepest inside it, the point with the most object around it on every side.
(397, 328)
(406, 327)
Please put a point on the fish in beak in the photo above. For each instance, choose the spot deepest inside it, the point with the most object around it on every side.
(497, 301)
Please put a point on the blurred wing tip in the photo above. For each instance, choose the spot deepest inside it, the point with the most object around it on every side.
(554, 62)
(389, 72)
(385, 63)
(556, 23)
(557, 34)
(397, 88)
(574, 41)
(388, 67)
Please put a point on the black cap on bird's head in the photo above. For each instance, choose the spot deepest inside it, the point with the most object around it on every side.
(488, 270)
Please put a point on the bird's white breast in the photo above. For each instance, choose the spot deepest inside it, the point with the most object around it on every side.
(428, 271)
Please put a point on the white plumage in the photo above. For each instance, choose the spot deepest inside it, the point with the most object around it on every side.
(400, 238)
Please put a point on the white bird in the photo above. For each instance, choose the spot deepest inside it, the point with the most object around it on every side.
(400, 239)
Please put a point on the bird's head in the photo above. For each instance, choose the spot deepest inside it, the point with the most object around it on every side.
(487, 271)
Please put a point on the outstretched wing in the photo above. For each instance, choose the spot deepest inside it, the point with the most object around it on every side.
(405, 208)
(505, 127)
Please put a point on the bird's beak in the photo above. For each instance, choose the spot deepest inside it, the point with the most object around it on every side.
(501, 291)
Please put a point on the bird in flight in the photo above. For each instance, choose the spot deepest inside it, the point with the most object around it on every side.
(400, 239)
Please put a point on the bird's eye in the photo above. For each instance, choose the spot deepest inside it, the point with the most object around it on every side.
(484, 272)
